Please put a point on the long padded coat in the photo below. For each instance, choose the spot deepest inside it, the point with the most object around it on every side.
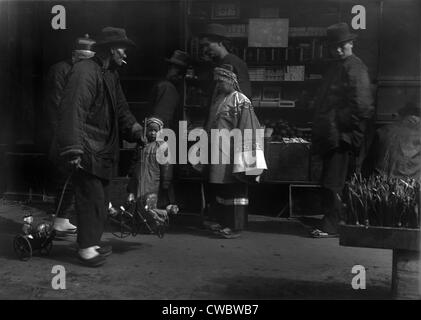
(93, 112)
(344, 106)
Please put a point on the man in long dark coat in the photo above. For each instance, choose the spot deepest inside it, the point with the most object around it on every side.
(344, 108)
(55, 83)
(165, 96)
(93, 113)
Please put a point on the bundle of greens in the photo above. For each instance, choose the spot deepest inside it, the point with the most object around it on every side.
(382, 201)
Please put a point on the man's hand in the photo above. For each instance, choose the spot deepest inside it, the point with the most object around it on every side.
(131, 197)
(140, 138)
(75, 162)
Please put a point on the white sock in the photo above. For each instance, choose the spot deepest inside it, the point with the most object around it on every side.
(63, 224)
(88, 253)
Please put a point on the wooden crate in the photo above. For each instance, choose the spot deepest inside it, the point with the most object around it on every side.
(380, 237)
(305, 200)
(287, 162)
(405, 243)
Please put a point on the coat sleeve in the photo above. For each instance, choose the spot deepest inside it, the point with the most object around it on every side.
(79, 93)
(360, 100)
(249, 158)
(54, 86)
(130, 129)
(244, 80)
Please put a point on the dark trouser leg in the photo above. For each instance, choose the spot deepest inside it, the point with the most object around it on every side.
(336, 169)
(212, 207)
(91, 206)
(67, 204)
(231, 207)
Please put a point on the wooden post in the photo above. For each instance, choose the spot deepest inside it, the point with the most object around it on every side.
(406, 274)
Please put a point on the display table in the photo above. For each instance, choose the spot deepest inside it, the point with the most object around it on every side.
(405, 243)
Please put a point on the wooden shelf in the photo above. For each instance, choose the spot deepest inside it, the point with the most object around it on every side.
(379, 237)
(285, 81)
(273, 108)
(285, 63)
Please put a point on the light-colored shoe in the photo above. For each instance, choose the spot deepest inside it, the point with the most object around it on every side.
(63, 227)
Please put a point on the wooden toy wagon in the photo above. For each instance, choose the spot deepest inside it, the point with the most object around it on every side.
(141, 216)
(32, 239)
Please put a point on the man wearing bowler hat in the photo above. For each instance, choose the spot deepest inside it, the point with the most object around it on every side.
(165, 97)
(93, 114)
(55, 83)
(344, 109)
(215, 44)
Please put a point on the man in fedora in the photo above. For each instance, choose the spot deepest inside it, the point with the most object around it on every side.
(215, 44)
(165, 97)
(54, 85)
(344, 109)
(93, 114)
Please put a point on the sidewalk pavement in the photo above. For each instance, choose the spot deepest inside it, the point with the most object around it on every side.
(273, 259)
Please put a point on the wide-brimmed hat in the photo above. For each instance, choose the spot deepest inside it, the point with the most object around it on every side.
(339, 33)
(113, 36)
(179, 58)
(214, 29)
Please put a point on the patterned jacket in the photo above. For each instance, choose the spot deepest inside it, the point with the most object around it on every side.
(235, 114)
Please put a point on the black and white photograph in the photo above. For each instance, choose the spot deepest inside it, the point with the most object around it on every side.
(212, 155)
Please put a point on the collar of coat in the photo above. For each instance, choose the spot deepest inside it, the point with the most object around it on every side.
(111, 66)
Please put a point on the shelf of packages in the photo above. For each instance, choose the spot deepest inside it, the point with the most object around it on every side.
(272, 82)
(281, 64)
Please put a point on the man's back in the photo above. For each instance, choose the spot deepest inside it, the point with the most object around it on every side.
(397, 149)
(164, 102)
(56, 80)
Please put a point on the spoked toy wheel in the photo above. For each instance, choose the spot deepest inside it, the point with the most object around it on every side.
(123, 229)
(160, 231)
(22, 247)
(46, 249)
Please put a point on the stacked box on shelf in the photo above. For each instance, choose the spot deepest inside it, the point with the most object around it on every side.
(237, 30)
(307, 32)
(266, 74)
(287, 162)
(257, 74)
(294, 73)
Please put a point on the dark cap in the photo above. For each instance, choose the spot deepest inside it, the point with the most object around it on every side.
(110, 36)
(339, 33)
(215, 30)
(179, 58)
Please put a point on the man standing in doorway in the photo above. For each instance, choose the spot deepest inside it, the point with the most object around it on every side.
(215, 44)
(165, 96)
(344, 108)
(93, 113)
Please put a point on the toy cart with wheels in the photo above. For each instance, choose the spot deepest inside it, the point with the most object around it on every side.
(140, 216)
(33, 239)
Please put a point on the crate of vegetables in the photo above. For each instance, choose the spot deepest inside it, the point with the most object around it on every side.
(382, 202)
(384, 213)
